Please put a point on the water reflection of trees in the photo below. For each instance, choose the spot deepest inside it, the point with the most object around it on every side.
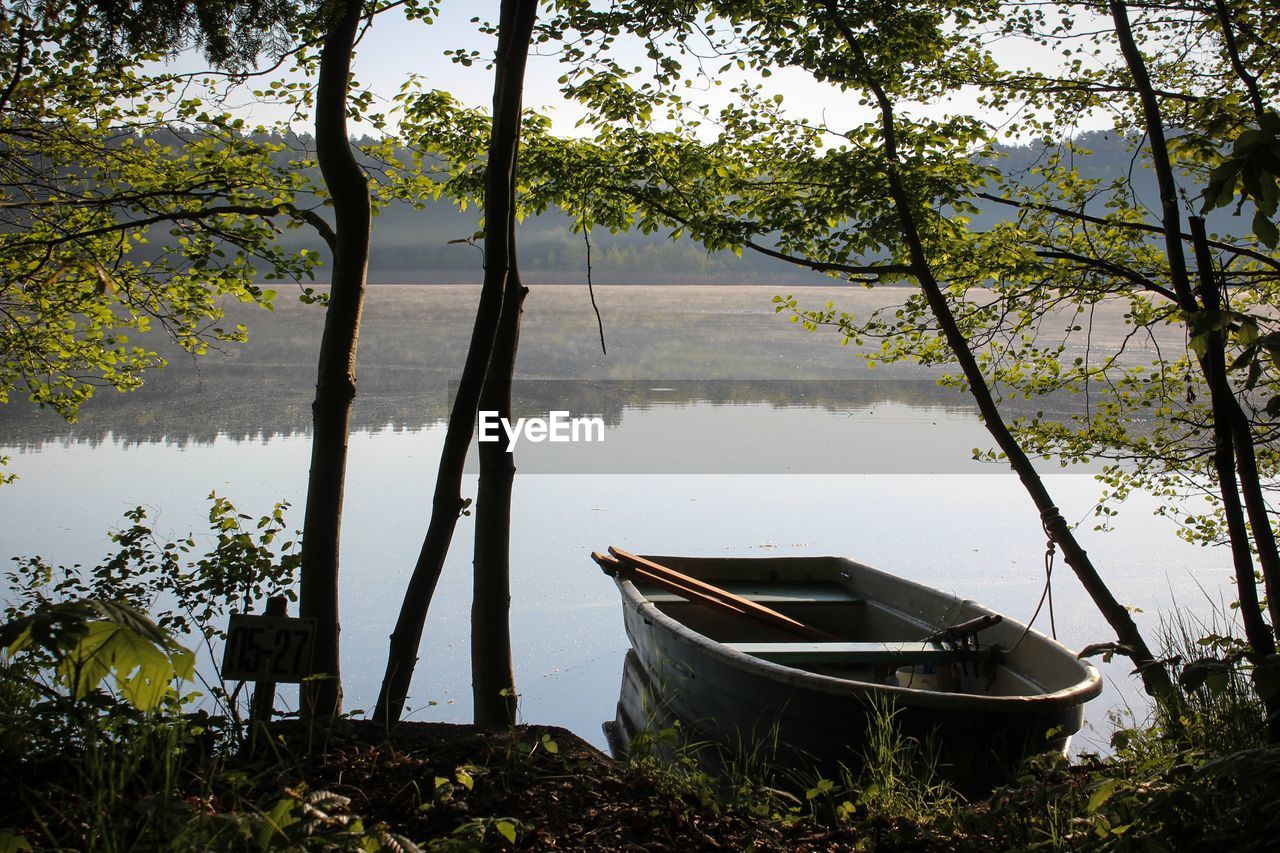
(258, 405)
(718, 345)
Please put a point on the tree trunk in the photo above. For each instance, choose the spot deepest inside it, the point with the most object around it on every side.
(336, 383)
(1250, 81)
(1170, 219)
(1155, 677)
(492, 678)
(1256, 505)
(1222, 401)
(515, 31)
(1228, 422)
(1228, 417)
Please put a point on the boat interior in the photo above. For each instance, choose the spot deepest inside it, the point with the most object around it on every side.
(872, 642)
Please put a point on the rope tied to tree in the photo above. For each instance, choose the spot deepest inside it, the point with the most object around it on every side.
(1050, 549)
(1047, 518)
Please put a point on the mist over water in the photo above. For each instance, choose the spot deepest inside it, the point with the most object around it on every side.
(728, 431)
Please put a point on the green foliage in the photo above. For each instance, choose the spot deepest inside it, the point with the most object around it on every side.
(1139, 801)
(249, 560)
(1221, 685)
(477, 833)
(1193, 777)
(83, 753)
(10, 843)
(229, 34)
(464, 779)
(300, 820)
(76, 627)
(108, 752)
(1249, 174)
(122, 643)
(710, 774)
(131, 204)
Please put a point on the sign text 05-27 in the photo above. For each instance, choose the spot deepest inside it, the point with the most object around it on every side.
(268, 648)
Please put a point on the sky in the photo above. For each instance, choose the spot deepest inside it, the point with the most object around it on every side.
(393, 50)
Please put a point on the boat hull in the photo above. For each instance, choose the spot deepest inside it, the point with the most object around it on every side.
(821, 718)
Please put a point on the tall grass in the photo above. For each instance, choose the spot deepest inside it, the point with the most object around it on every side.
(896, 777)
(1225, 714)
(900, 777)
(718, 775)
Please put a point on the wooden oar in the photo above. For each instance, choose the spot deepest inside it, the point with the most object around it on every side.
(612, 567)
(667, 577)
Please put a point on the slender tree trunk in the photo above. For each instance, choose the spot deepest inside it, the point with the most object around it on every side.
(1155, 677)
(1170, 217)
(515, 31)
(1225, 427)
(336, 383)
(1222, 402)
(492, 677)
(1250, 81)
(1228, 417)
(1255, 501)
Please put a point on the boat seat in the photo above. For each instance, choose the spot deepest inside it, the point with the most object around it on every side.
(771, 594)
(900, 654)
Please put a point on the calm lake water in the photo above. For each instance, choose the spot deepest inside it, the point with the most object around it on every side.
(728, 431)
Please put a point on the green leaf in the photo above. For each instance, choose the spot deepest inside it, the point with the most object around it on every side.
(1247, 334)
(143, 659)
(1266, 677)
(507, 830)
(1206, 672)
(10, 843)
(1265, 230)
(1105, 791)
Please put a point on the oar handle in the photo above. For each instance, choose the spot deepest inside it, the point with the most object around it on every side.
(609, 564)
(956, 633)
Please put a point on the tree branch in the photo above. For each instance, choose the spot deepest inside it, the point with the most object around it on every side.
(266, 212)
(1134, 226)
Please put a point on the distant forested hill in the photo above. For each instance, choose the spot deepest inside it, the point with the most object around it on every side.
(413, 247)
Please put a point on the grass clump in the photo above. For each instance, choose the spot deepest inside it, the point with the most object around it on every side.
(900, 778)
(1198, 774)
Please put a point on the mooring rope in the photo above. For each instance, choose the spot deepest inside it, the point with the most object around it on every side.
(1050, 549)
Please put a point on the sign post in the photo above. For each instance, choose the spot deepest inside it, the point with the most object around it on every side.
(268, 649)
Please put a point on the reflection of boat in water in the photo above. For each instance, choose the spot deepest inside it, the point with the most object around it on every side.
(734, 677)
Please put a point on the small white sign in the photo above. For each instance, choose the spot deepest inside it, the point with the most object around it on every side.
(268, 648)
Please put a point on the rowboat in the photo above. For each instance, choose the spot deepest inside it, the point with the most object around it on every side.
(981, 690)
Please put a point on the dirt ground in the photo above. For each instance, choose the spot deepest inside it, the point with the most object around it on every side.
(429, 779)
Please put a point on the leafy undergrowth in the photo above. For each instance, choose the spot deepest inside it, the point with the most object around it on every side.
(434, 786)
(539, 787)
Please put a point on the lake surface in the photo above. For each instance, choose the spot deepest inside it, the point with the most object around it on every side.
(728, 431)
